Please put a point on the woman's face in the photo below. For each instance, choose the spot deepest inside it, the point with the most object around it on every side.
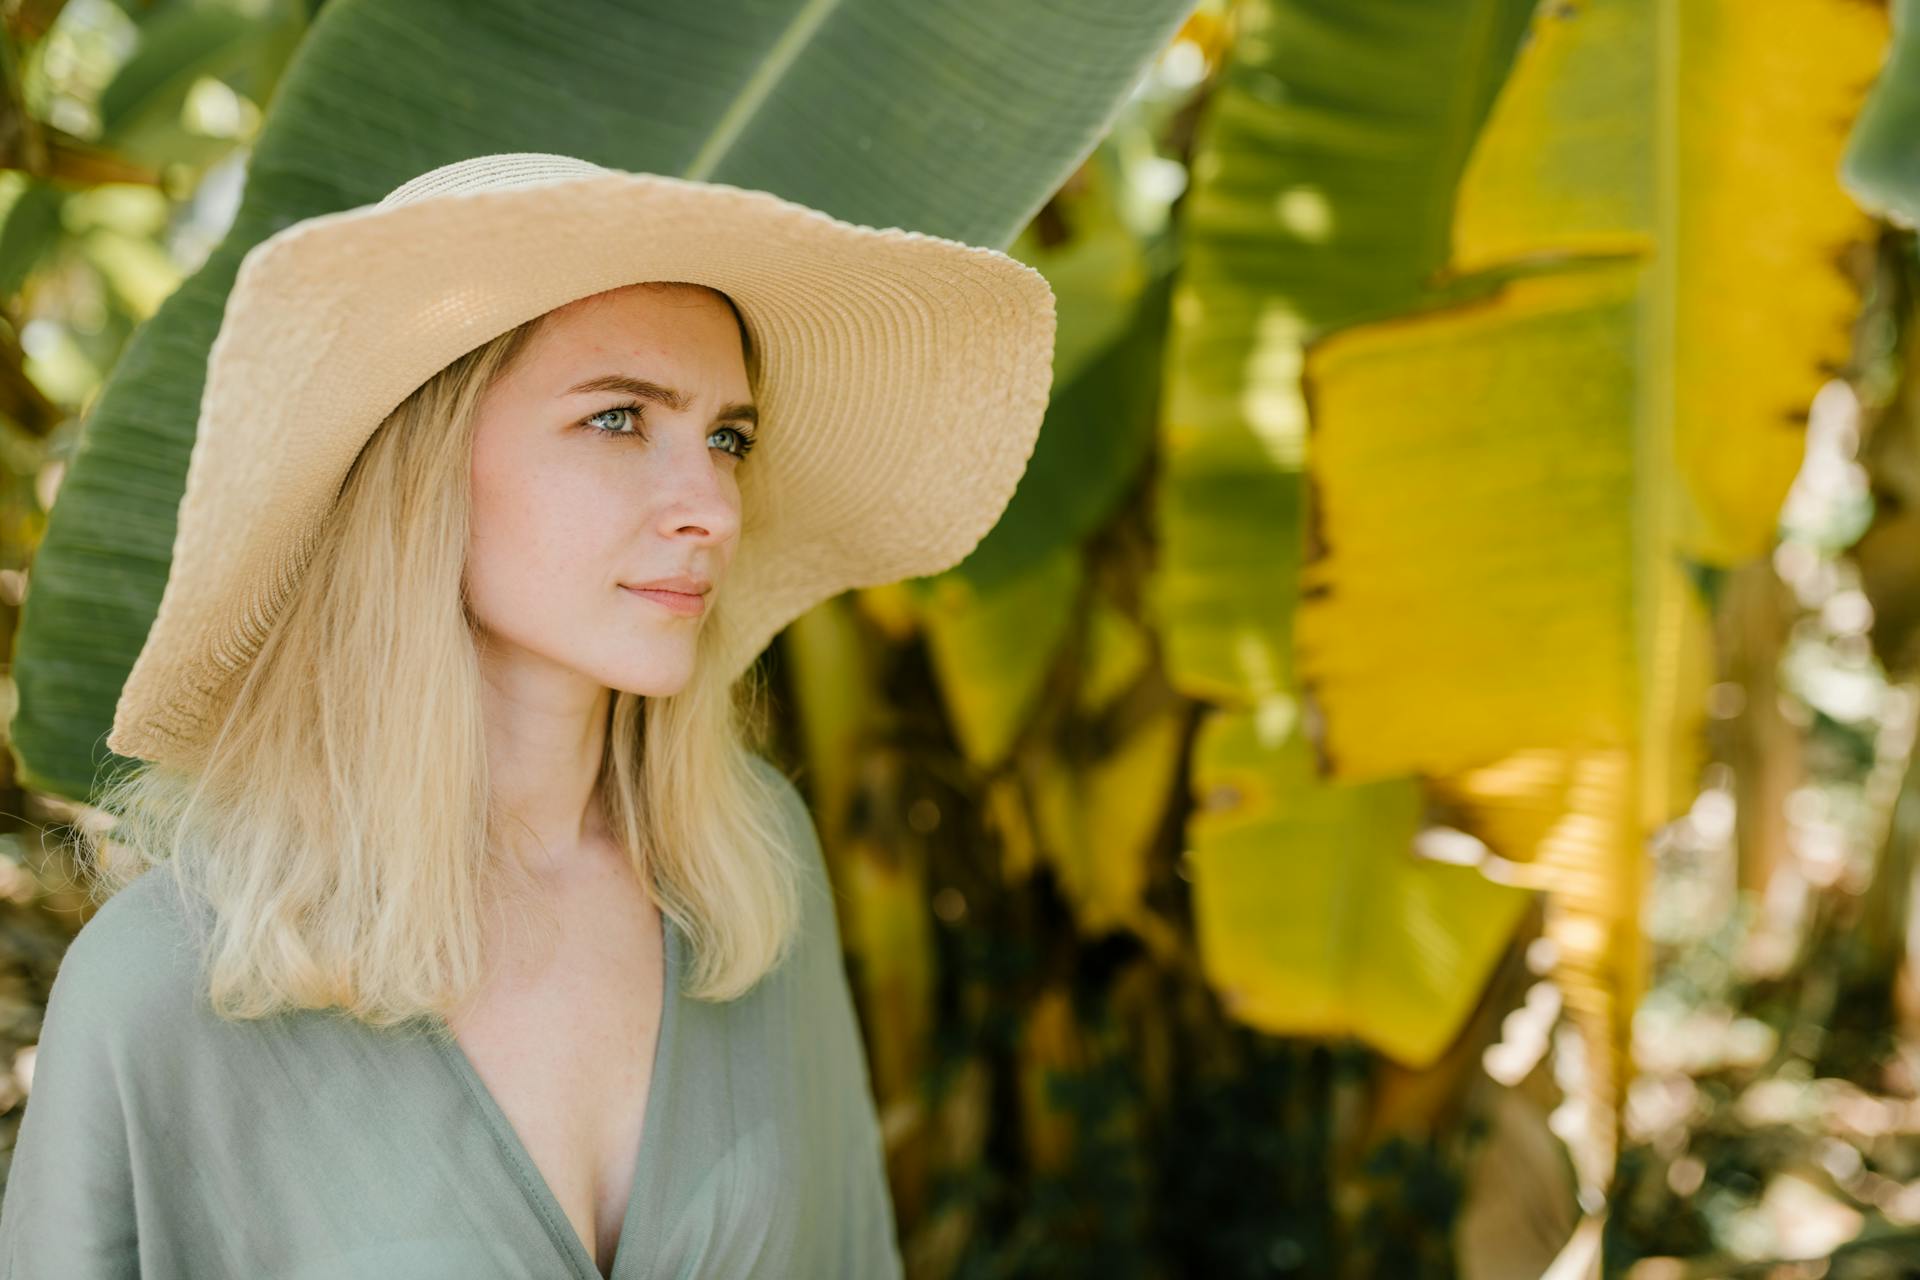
(577, 499)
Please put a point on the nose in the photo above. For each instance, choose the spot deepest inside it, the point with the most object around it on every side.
(700, 494)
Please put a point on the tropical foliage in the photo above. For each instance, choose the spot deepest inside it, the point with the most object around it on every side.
(1243, 854)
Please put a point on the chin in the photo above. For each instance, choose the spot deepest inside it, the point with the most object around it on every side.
(656, 680)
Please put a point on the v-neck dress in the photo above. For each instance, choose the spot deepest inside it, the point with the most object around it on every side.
(162, 1141)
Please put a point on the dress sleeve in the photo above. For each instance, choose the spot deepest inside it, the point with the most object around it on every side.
(67, 1209)
(862, 1210)
(857, 1207)
(869, 1241)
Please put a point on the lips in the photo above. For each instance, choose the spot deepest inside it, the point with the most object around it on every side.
(684, 603)
(685, 584)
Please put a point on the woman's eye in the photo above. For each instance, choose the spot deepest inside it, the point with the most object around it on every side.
(740, 434)
(630, 410)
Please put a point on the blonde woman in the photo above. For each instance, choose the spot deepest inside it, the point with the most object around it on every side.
(454, 926)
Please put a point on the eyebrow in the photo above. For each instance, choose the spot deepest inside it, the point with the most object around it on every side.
(642, 389)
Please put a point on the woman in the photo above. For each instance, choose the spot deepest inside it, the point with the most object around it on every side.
(456, 929)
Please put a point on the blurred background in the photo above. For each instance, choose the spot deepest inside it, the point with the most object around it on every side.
(1420, 783)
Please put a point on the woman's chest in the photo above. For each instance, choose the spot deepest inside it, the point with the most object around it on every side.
(359, 1151)
(564, 1037)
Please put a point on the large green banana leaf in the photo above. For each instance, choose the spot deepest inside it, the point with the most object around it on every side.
(1511, 490)
(954, 119)
(1323, 185)
(1880, 168)
(995, 622)
(1112, 287)
(1324, 180)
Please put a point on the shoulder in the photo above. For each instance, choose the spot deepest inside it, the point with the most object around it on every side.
(91, 1138)
(803, 840)
(132, 966)
(792, 805)
(796, 819)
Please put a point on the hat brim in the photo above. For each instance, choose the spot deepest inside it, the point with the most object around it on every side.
(903, 380)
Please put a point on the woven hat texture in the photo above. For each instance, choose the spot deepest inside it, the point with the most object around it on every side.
(903, 378)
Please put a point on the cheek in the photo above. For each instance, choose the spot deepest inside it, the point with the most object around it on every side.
(542, 541)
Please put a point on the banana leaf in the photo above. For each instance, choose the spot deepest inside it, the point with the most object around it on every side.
(1515, 491)
(1324, 180)
(953, 119)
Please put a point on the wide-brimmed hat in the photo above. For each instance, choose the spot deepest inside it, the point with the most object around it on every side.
(902, 381)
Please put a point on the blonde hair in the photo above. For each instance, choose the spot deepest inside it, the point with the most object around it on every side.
(340, 823)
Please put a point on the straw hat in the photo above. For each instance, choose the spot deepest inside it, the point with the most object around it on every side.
(903, 377)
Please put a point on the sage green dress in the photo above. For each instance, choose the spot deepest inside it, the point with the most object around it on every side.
(161, 1141)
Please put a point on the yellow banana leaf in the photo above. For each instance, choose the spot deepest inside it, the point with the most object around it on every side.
(991, 648)
(1097, 822)
(1323, 182)
(1476, 477)
(1052, 1046)
(834, 708)
(1705, 139)
(1007, 815)
(1315, 915)
(1655, 209)
(1118, 651)
(888, 930)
